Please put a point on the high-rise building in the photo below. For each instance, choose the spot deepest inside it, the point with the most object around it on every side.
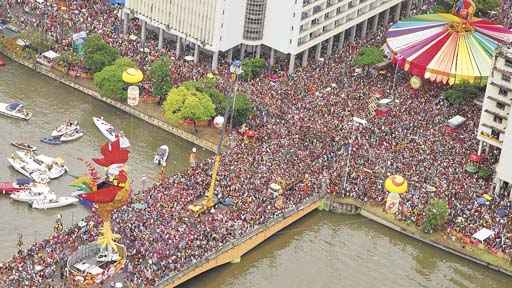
(289, 27)
(494, 128)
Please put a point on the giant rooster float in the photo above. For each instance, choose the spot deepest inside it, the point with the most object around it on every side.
(103, 196)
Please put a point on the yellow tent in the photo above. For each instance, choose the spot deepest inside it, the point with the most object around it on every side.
(132, 76)
(396, 184)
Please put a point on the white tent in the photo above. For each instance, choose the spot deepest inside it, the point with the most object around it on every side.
(359, 121)
(456, 121)
(483, 234)
(50, 54)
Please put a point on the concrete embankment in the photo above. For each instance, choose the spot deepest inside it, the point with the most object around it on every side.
(233, 252)
(130, 110)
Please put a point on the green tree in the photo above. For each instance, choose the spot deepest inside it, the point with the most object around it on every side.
(462, 92)
(483, 7)
(443, 6)
(160, 77)
(38, 40)
(437, 214)
(208, 86)
(243, 108)
(68, 59)
(369, 56)
(187, 103)
(252, 68)
(98, 54)
(109, 81)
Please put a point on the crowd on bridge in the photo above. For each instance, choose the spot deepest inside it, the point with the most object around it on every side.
(306, 141)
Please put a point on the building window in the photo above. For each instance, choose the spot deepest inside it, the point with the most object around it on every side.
(505, 77)
(500, 105)
(508, 63)
(503, 92)
(495, 134)
(498, 119)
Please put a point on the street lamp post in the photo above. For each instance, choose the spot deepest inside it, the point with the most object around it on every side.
(236, 70)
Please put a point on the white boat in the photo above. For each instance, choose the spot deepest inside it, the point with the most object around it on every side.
(15, 110)
(67, 127)
(161, 155)
(110, 132)
(36, 192)
(52, 201)
(72, 135)
(30, 170)
(53, 167)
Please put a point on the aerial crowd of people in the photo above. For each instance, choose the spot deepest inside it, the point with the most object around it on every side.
(307, 141)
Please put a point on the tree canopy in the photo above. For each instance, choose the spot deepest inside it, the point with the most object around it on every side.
(68, 58)
(160, 77)
(252, 68)
(109, 81)
(38, 40)
(98, 54)
(187, 103)
(369, 56)
(462, 92)
(208, 86)
(437, 214)
(483, 7)
(243, 108)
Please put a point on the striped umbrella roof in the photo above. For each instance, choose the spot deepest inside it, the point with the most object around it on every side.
(446, 48)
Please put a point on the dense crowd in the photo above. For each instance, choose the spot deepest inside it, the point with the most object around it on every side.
(305, 138)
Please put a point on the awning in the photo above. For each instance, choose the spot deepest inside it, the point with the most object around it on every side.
(483, 234)
(456, 121)
(50, 55)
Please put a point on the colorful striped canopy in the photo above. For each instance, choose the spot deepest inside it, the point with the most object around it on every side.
(446, 48)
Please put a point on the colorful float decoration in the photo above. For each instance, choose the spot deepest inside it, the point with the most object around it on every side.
(394, 185)
(133, 76)
(415, 82)
(99, 260)
(447, 48)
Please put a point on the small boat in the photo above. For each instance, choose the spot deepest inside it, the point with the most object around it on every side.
(15, 110)
(30, 170)
(51, 201)
(72, 135)
(110, 132)
(24, 146)
(65, 128)
(54, 166)
(161, 155)
(16, 186)
(51, 140)
(36, 192)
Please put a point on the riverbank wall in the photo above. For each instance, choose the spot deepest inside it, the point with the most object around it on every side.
(233, 252)
(126, 108)
(348, 206)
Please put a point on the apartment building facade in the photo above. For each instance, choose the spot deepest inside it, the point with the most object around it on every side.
(289, 27)
(494, 129)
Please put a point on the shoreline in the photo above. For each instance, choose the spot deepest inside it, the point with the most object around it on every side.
(372, 212)
(123, 107)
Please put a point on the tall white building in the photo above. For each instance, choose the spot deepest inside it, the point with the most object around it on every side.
(494, 128)
(289, 27)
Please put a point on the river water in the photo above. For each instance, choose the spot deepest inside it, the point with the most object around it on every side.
(321, 250)
(51, 103)
(327, 250)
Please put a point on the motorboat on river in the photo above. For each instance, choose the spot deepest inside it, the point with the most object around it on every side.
(72, 135)
(67, 127)
(36, 192)
(29, 169)
(24, 146)
(54, 167)
(15, 110)
(9, 187)
(161, 155)
(52, 201)
(110, 132)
